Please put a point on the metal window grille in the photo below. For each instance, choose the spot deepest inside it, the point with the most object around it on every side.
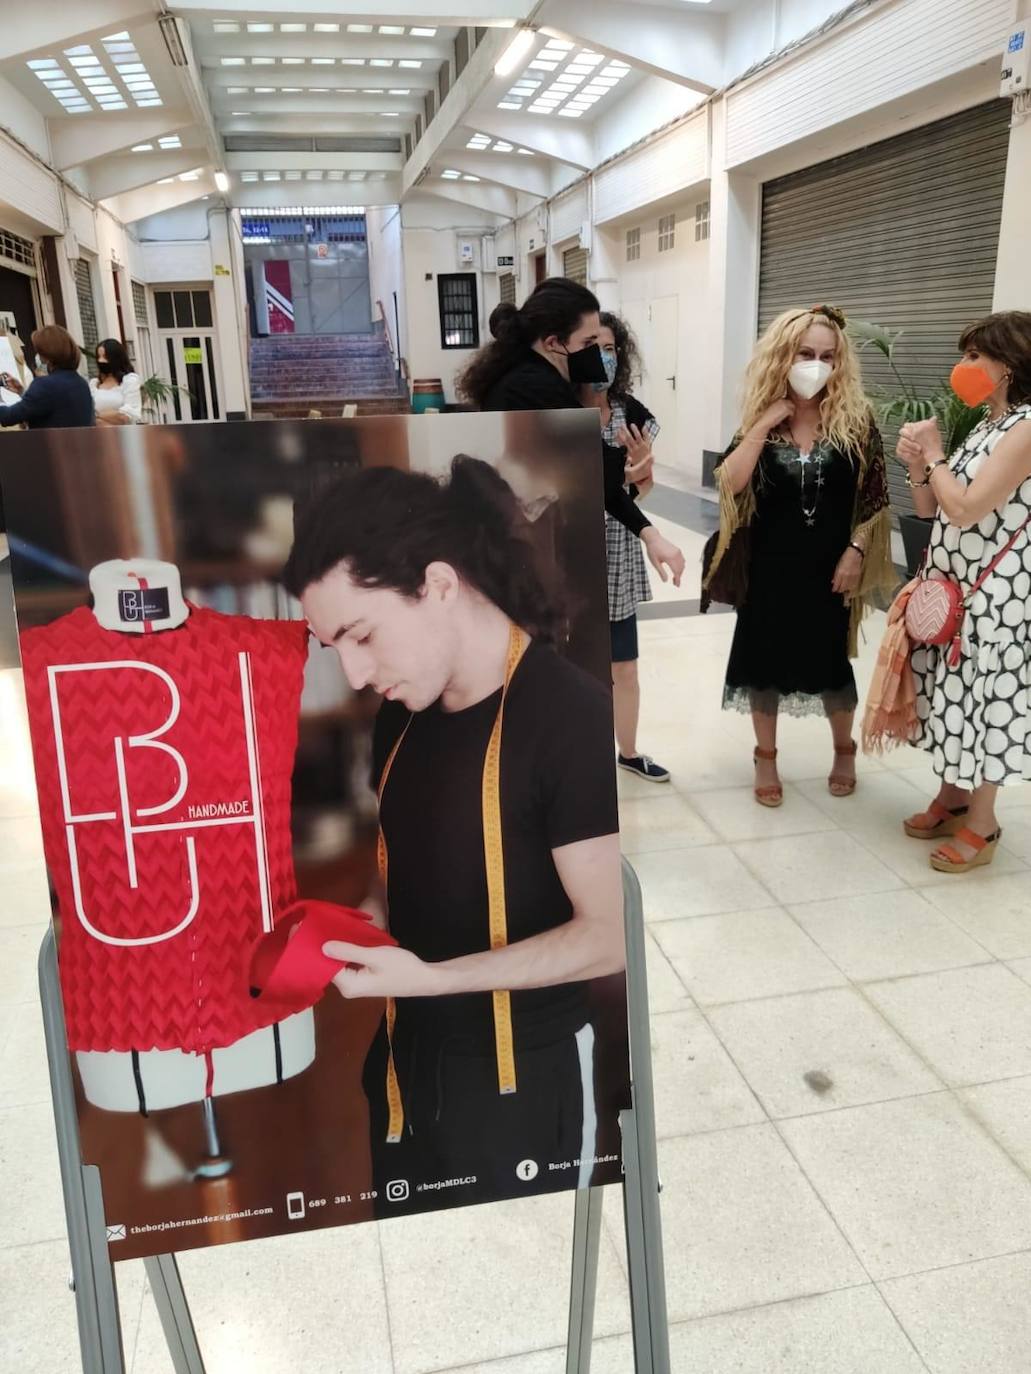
(459, 313)
(701, 221)
(667, 233)
(16, 249)
(633, 245)
(87, 312)
(139, 303)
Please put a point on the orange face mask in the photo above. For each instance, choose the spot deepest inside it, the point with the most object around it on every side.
(971, 383)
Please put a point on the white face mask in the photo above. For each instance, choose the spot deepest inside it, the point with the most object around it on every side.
(808, 378)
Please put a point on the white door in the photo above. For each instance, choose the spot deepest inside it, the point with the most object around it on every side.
(661, 355)
(189, 364)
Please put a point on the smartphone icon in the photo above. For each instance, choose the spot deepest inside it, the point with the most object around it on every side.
(295, 1206)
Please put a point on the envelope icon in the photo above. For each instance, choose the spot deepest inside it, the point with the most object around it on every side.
(116, 1232)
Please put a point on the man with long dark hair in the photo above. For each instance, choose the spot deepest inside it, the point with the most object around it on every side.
(499, 852)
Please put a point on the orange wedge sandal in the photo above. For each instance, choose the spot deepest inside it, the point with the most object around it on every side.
(773, 796)
(941, 821)
(840, 786)
(950, 860)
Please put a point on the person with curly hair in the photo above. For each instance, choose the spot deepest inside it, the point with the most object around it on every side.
(804, 502)
(625, 424)
(972, 709)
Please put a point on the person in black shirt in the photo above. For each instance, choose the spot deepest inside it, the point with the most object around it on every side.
(59, 400)
(541, 355)
(429, 594)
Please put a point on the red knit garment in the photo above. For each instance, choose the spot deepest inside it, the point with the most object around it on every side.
(184, 983)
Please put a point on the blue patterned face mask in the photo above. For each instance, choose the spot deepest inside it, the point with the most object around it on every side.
(611, 364)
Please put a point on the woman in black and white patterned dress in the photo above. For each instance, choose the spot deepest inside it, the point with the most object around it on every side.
(626, 424)
(976, 718)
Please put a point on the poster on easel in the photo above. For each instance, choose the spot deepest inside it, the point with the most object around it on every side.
(322, 732)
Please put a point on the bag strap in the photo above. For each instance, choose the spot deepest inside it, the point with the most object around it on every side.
(997, 560)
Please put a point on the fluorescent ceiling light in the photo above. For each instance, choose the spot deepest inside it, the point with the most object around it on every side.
(224, 26)
(261, 28)
(313, 176)
(142, 148)
(381, 62)
(325, 28)
(509, 105)
(170, 141)
(467, 177)
(399, 91)
(390, 114)
(293, 28)
(514, 53)
(270, 176)
(411, 63)
(450, 175)
(222, 182)
(360, 28)
(239, 114)
(392, 30)
(323, 62)
(293, 61)
(263, 61)
(237, 90)
(248, 176)
(423, 33)
(292, 176)
(264, 90)
(233, 61)
(190, 176)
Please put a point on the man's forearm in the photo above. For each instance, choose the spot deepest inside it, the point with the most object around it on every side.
(580, 949)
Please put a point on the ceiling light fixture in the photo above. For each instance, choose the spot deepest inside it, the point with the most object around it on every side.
(222, 182)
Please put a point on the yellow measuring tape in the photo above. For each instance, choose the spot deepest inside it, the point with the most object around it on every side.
(494, 858)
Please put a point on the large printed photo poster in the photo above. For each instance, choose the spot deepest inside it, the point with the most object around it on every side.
(322, 733)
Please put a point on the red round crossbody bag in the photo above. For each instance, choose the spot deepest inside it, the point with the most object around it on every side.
(937, 605)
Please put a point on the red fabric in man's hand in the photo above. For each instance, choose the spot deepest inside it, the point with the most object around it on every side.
(288, 966)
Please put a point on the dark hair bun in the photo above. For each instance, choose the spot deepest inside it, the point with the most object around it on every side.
(504, 321)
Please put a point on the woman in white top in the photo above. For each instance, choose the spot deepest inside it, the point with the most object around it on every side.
(116, 393)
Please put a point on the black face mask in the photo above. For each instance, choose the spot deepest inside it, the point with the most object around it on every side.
(586, 365)
(104, 369)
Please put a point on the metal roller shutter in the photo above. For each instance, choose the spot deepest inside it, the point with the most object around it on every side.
(903, 233)
(574, 265)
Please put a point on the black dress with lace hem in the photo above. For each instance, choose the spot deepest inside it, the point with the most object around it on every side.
(790, 649)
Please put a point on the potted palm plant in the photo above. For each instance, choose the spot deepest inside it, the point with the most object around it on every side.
(898, 405)
(156, 393)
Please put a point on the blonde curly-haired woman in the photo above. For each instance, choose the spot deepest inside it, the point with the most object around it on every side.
(803, 487)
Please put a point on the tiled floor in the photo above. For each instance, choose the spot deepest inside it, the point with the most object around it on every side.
(842, 1049)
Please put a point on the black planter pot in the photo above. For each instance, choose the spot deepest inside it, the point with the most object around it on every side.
(916, 534)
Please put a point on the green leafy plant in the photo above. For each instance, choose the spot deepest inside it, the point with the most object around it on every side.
(156, 391)
(898, 407)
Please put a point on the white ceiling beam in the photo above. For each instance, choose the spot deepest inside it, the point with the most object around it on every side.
(474, 80)
(221, 82)
(492, 200)
(486, 13)
(367, 107)
(152, 200)
(309, 45)
(681, 46)
(130, 171)
(76, 141)
(284, 194)
(325, 162)
(324, 121)
(526, 174)
(572, 146)
(39, 30)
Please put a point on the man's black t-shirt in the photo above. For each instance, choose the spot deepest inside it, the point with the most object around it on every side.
(557, 788)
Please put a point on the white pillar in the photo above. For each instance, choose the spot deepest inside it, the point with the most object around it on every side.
(1013, 264)
(230, 314)
(604, 272)
(735, 208)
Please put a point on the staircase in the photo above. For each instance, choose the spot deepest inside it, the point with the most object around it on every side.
(292, 374)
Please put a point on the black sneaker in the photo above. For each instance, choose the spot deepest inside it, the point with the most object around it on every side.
(644, 767)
